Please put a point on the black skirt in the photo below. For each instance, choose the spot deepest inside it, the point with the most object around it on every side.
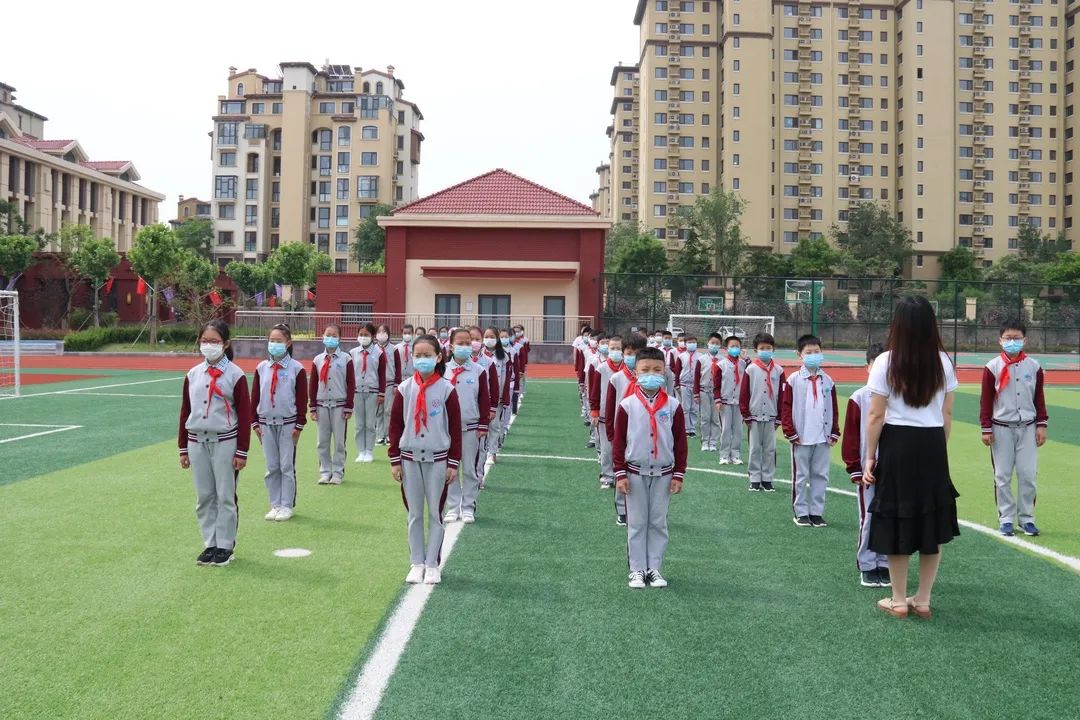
(914, 505)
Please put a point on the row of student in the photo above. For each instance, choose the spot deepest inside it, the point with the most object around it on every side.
(218, 415)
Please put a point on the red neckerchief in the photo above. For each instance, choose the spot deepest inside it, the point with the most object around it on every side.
(715, 372)
(633, 381)
(613, 367)
(488, 353)
(324, 373)
(456, 371)
(273, 380)
(814, 379)
(1005, 370)
(420, 418)
(768, 375)
(735, 362)
(661, 402)
(215, 373)
(364, 354)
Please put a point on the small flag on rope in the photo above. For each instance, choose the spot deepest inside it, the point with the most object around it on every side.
(215, 298)
(169, 294)
(140, 287)
(108, 286)
(311, 296)
(280, 290)
(260, 298)
(273, 301)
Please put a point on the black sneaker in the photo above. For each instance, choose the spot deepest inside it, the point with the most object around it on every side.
(883, 577)
(206, 556)
(691, 434)
(755, 487)
(620, 520)
(222, 557)
(818, 521)
(802, 521)
(590, 445)
(767, 487)
(869, 578)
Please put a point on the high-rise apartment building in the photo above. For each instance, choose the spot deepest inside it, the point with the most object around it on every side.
(957, 114)
(304, 157)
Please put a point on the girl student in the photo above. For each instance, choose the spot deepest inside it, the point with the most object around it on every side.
(424, 452)
(369, 366)
(444, 342)
(215, 431)
(331, 388)
(502, 367)
(491, 377)
(393, 376)
(278, 414)
(469, 379)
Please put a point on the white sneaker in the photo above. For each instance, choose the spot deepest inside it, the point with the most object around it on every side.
(432, 576)
(284, 514)
(491, 458)
(335, 481)
(725, 461)
(637, 580)
(450, 517)
(468, 518)
(416, 575)
(359, 458)
(272, 515)
(736, 461)
(655, 579)
(324, 481)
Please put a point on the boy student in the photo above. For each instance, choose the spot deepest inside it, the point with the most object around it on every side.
(685, 364)
(706, 378)
(759, 402)
(598, 392)
(873, 567)
(726, 396)
(592, 357)
(1013, 416)
(649, 456)
(621, 384)
(811, 424)
(581, 353)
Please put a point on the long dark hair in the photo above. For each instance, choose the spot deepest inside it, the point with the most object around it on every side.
(500, 351)
(915, 370)
(440, 362)
(221, 328)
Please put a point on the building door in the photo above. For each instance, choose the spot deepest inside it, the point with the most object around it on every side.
(494, 310)
(554, 319)
(447, 311)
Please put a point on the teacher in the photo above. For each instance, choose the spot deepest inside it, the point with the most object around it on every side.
(908, 427)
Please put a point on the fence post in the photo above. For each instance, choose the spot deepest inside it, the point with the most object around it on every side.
(813, 307)
(956, 322)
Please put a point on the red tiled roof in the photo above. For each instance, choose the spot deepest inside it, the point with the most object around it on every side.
(105, 165)
(496, 193)
(44, 145)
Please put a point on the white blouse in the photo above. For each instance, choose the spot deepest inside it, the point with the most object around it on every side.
(898, 411)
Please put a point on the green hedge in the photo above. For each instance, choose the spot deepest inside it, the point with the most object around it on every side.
(95, 338)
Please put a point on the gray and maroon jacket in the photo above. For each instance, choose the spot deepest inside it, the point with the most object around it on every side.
(472, 387)
(755, 400)
(635, 450)
(853, 445)
(340, 385)
(374, 379)
(1020, 402)
(793, 402)
(215, 410)
(437, 440)
(287, 404)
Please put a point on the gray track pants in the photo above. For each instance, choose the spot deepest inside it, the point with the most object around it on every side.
(761, 466)
(424, 483)
(382, 414)
(366, 416)
(867, 559)
(1014, 449)
(810, 478)
(646, 521)
(690, 407)
(730, 432)
(461, 497)
(331, 445)
(710, 420)
(215, 491)
(607, 466)
(280, 452)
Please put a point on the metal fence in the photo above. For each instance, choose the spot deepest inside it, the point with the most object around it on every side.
(548, 329)
(849, 312)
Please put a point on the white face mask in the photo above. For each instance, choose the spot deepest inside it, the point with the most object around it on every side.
(490, 343)
(365, 340)
(211, 351)
(382, 337)
(406, 338)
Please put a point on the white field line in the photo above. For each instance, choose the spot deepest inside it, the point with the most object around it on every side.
(1017, 542)
(130, 395)
(366, 695)
(55, 429)
(75, 391)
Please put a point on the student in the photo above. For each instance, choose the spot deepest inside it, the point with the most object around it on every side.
(621, 384)
(392, 378)
(507, 410)
(468, 378)
(811, 423)
(404, 350)
(685, 366)
(369, 367)
(1013, 416)
(215, 431)
(649, 456)
(759, 403)
(419, 331)
(278, 414)
(444, 341)
(524, 348)
(671, 374)
(591, 355)
(489, 376)
(726, 394)
(580, 355)
(331, 391)
(425, 452)
(873, 567)
(612, 364)
(503, 376)
(706, 379)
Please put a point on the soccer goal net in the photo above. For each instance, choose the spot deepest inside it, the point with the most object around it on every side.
(9, 343)
(744, 327)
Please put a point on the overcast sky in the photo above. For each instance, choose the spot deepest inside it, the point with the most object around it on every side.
(502, 83)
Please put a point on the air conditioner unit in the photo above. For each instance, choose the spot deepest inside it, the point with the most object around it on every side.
(854, 177)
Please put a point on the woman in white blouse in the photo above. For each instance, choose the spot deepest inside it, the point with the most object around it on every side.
(909, 422)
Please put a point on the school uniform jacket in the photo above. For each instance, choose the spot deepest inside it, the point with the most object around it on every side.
(405, 360)
(756, 402)
(1022, 399)
(491, 376)
(685, 367)
(599, 389)
(619, 385)
(793, 401)
(373, 378)
(523, 350)
(635, 450)
(393, 372)
(504, 377)
(282, 401)
(705, 374)
(216, 405)
(853, 445)
(471, 384)
(587, 356)
(732, 371)
(340, 385)
(439, 435)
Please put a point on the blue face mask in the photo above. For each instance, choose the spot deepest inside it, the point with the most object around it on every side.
(615, 356)
(424, 365)
(505, 341)
(651, 383)
(765, 356)
(714, 349)
(734, 351)
(813, 360)
(462, 352)
(1012, 347)
(276, 349)
(443, 335)
(331, 343)
(630, 360)
(667, 342)
(691, 347)
(604, 350)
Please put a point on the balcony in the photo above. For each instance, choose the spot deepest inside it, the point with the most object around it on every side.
(980, 184)
(675, 82)
(675, 60)
(805, 200)
(854, 133)
(1025, 30)
(1025, 52)
(804, 21)
(673, 105)
(674, 174)
(804, 42)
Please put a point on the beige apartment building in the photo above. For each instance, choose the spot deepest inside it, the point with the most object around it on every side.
(305, 156)
(957, 114)
(55, 183)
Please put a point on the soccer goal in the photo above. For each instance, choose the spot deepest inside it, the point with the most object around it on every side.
(744, 327)
(9, 343)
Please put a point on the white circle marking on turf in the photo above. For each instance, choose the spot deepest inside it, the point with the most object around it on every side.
(292, 552)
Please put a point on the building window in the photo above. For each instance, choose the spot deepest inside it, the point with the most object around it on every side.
(275, 108)
(252, 163)
(344, 136)
(341, 242)
(369, 132)
(227, 133)
(250, 241)
(327, 108)
(251, 189)
(343, 188)
(341, 265)
(227, 159)
(342, 218)
(226, 212)
(275, 217)
(251, 214)
(343, 162)
(322, 138)
(494, 310)
(258, 108)
(324, 217)
(225, 186)
(224, 237)
(369, 158)
(232, 107)
(447, 310)
(367, 186)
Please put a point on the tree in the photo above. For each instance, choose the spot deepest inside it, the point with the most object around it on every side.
(874, 243)
(93, 261)
(197, 235)
(644, 254)
(715, 218)
(70, 240)
(11, 222)
(620, 234)
(251, 278)
(692, 262)
(153, 255)
(370, 240)
(16, 256)
(960, 265)
(296, 264)
(1066, 271)
(192, 280)
(813, 258)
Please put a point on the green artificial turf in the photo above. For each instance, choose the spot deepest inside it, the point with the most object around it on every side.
(762, 619)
